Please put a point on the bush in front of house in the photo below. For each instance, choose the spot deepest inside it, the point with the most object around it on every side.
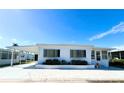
(64, 62)
(52, 62)
(55, 62)
(79, 62)
(116, 62)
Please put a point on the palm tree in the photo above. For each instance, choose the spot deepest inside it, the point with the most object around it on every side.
(15, 44)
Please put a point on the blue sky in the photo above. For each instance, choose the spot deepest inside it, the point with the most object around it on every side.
(104, 28)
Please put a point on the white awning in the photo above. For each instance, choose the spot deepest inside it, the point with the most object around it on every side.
(31, 48)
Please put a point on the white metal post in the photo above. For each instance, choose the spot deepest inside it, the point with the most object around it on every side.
(12, 58)
(110, 56)
(19, 57)
(120, 55)
(26, 56)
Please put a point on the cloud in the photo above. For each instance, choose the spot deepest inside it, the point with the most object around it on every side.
(4, 42)
(14, 40)
(115, 29)
(9, 42)
(1, 37)
(119, 47)
(20, 42)
(72, 42)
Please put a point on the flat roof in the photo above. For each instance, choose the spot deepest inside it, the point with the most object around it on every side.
(35, 48)
(64, 45)
(117, 50)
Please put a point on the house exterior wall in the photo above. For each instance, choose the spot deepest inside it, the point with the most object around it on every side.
(103, 62)
(38, 49)
(65, 54)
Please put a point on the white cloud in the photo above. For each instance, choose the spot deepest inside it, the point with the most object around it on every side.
(14, 40)
(115, 29)
(9, 42)
(4, 41)
(119, 47)
(1, 37)
(20, 42)
(72, 42)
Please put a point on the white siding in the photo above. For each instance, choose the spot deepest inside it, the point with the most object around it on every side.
(65, 53)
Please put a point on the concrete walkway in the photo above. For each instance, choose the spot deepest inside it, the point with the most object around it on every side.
(27, 73)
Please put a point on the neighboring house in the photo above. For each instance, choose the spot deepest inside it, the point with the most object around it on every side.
(117, 53)
(6, 56)
(67, 52)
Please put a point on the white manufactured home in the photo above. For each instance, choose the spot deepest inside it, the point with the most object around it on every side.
(67, 52)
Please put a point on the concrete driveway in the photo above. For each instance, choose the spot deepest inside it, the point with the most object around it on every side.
(27, 73)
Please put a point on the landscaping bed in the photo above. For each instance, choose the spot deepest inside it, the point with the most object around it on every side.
(117, 63)
(64, 62)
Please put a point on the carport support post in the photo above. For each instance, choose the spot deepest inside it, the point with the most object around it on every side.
(20, 57)
(110, 55)
(120, 55)
(26, 57)
(12, 57)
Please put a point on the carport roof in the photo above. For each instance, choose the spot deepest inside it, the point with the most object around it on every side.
(28, 48)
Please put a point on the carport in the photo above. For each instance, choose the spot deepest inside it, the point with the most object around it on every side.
(27, 49)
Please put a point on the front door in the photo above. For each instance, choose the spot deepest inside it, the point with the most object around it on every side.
(98, 58)
(36, 57)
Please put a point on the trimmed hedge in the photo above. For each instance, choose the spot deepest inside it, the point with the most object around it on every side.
(117, 62)
(52, 62)
(79, 62)
(64, 62)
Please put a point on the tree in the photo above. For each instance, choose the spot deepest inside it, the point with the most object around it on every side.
(15, 44)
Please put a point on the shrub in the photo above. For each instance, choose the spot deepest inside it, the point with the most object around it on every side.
(52, 62)
(116, 62)
(64, 62)
(79, 62)
(56, 62)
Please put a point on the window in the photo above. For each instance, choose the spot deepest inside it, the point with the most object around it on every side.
(9, 54)
(51, 53)
(92, 54)
(122, 54)
(4, 54)
(104, 54)
(77, 53)
(98, 55)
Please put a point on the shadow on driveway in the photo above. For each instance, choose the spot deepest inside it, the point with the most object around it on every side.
(111, 68)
